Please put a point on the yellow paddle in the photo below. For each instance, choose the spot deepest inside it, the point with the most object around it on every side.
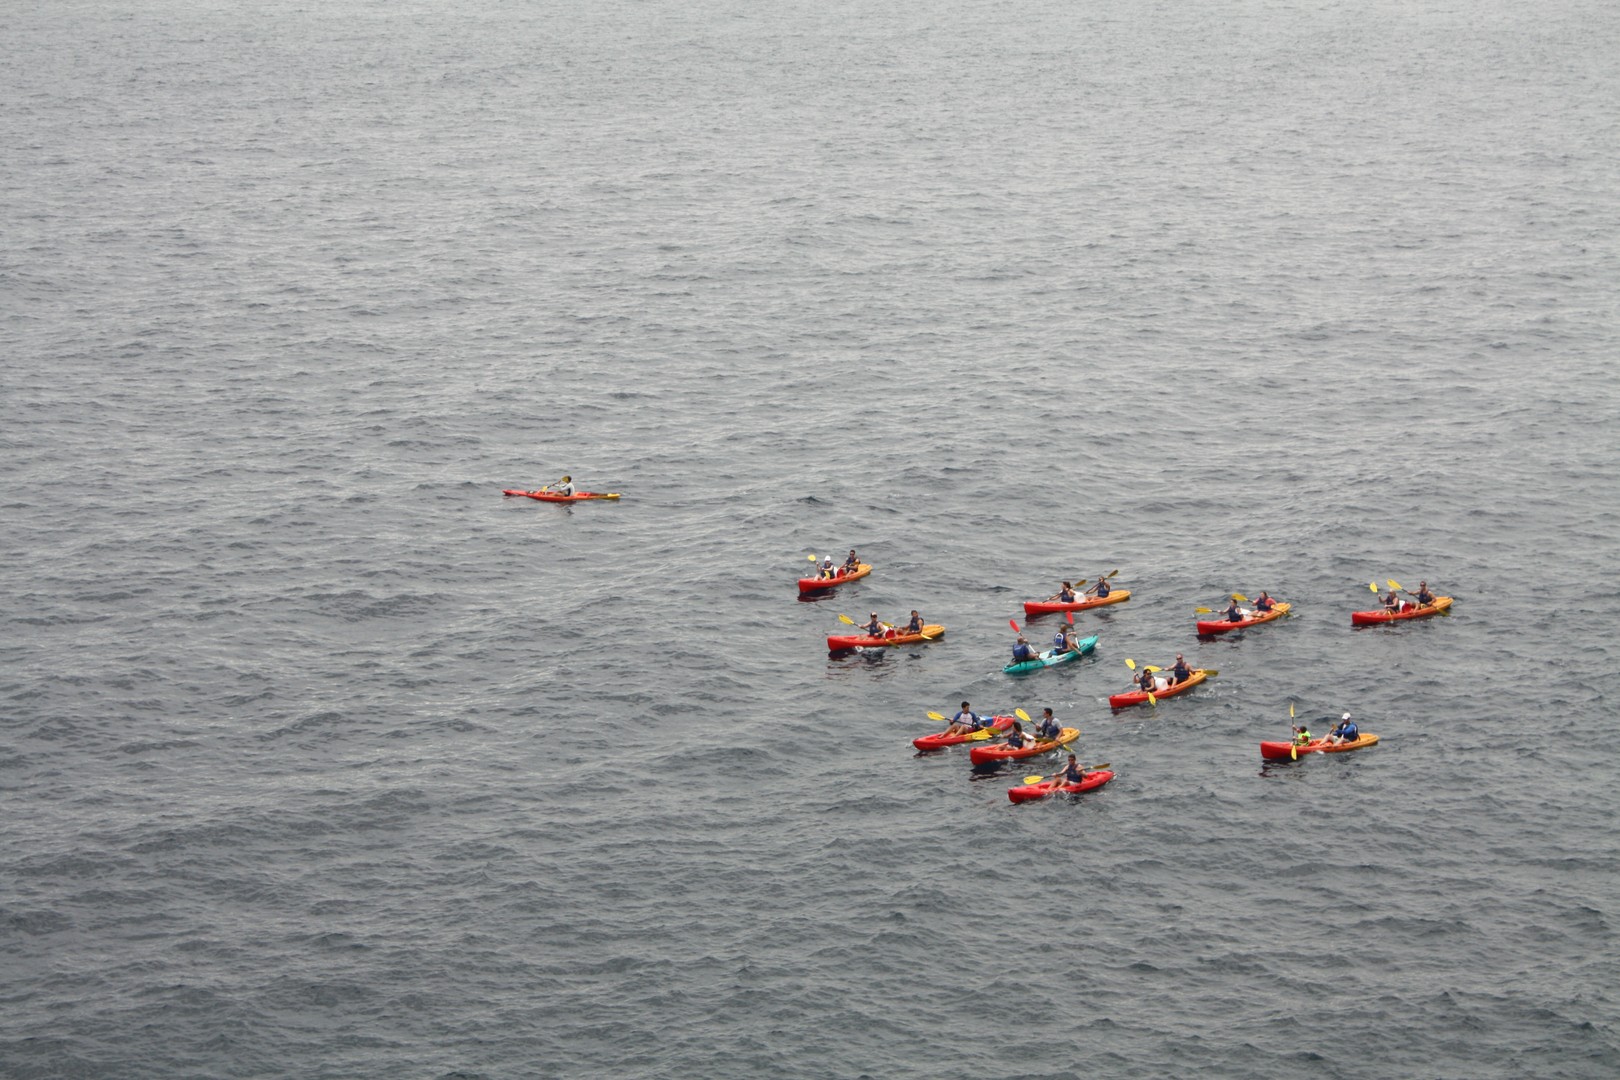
(1373, 585)
(812, 558)
(1204, 611)
(1395, 585)
(1293, 751)
(1240, 598)
(846, 619)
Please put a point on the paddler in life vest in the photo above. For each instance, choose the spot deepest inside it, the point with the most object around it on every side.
(1102, 588)
(1048, 727)
(915, 626)
(1346, 731)
(1071, 774)
(876, 627)
(1264, 603)
(851, 564)
(828, 572)
(1147, 682)
(1233, 612)
(1024, 651)
(1016, 739)
(1392, 602)
(1180, 673)
(1424, 596)
(1302, 735)
(1064, 595)
(965, 722)
(1064, 641)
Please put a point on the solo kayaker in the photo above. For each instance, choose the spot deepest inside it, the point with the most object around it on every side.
(1346, 731)
(851, 564)
(565, 486)
(1302, 735)
(1048, 727)
(1071, 774)
(1180, 672)
(1233, 612)
(965, 722)
(1424, 596)
(876, 627)
(915, 626)
(1023, 651)
(1064, 595)
(1265, 602)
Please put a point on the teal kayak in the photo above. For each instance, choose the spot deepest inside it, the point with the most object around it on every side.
(1024, 667)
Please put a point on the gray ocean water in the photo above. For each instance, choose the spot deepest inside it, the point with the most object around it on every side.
(319, 758)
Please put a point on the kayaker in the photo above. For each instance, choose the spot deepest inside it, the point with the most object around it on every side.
(565, 486)
(1064, 595)
(1392, 602)
(1022, 651)
(1265, 602)
(1180, 672)
(851, 564)
(1147, 682)
(1016, 737)
(1346, 731)
(915, 626)
(1233, 612)
(1048, 727)
(827, 570)
(876, 627)
(965, 722)
(1424, 596)
(1071, 774)
(1102, 588)
(1302, 735)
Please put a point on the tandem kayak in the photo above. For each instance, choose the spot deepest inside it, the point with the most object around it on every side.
(1137, 697)
(836, 642)
(1087, 645)
(939, 740)
(1284, 751)
(984, 755)
(1047, 607)
(1031, 792)
(578, 496)
(1371, 618)
(1254, 618)
(810, 584)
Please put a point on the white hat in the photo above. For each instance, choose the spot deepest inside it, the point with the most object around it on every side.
(1346, 716)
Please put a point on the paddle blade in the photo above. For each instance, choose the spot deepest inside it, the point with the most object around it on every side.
(1114, 573)
(1395, 585)
(1150, 668)
(1022, 715)
(937, 716)
(1033, 779)
(846, 619)
(1373, 585)
(812, 558)
(1290, 710)
(1203, 611)
(1081, 582)
(1130, 663)
(980, 735)
(1209, 672)
(1070, 616)
(1153, 701)
(1240, 598)
(1293, 753)
(1014, 624)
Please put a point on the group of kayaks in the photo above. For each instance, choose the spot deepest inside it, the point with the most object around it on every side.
(988, 747)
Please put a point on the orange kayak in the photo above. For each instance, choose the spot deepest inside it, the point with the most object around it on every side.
(939, 740)
(1284, 751)
(1221, 626)
(1137, 697)
(836, 642)
(983, 755)
(547, 496)
(810, 584)
(1370, 618)
(1046, 607)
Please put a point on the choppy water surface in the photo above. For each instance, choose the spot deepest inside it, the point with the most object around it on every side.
(323, 759)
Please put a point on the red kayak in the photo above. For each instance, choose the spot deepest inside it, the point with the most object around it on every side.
(547, 496)
(1031, 792)
(940, 740)
(1137, 697)
(1408, 611)
(1221, 626)
(1284, 751)
(810, 584)
(984, 755)
(837, 642)
(1047, 607)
